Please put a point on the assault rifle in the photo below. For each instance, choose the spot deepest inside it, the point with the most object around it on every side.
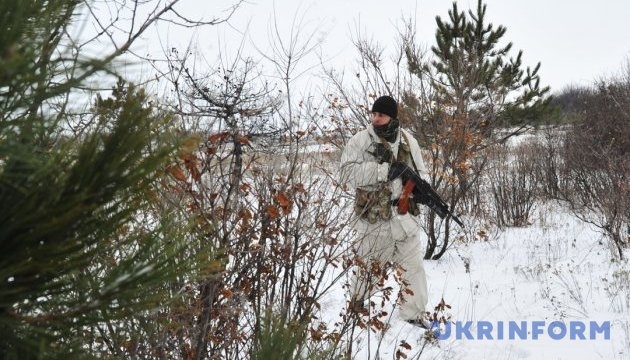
(424, 194)
(414, 185)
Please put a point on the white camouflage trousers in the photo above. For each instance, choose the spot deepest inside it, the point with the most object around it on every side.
(396, 241)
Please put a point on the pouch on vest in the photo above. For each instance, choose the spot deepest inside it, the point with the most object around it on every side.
(373, 206)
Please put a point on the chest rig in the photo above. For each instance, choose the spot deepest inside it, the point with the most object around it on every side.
(376, 205)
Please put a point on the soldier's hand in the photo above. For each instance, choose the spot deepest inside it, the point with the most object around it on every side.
(383, 154)
(399, 169)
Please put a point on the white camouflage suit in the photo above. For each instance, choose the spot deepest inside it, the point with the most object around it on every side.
(396, 240)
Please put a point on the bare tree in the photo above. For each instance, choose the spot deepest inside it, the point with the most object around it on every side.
(272, 210)
(596, 162)
(512, 184)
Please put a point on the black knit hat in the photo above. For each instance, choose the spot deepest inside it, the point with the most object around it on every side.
(386, 105)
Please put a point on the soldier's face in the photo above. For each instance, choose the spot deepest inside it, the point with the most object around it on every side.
(380, 118)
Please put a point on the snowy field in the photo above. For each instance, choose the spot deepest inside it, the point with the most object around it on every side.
(557, 269)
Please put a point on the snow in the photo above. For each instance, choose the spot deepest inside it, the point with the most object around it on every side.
(557, 269)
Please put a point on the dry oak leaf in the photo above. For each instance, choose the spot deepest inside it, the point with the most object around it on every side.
(176, 172)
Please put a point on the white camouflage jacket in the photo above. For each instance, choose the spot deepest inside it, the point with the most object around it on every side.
(361, 169)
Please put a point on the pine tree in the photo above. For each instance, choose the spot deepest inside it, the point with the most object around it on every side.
(81, 244)
(476, 88)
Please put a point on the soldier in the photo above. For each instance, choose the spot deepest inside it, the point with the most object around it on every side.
(372, 162)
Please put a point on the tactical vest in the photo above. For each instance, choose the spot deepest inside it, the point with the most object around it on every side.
(376, 205)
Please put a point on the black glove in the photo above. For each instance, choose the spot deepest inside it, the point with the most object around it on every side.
(382, 153)
(400, 170)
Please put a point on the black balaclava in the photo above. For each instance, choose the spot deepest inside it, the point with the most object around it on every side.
(388, 106)
(387, 131)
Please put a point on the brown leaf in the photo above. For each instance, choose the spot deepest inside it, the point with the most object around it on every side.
(188, 157)
(176, 172)
(283, 200)
(191, 143)
(243, 139)
(196, 175)
(273, 212)
(317, 335)
(214, 138)
(245, 214)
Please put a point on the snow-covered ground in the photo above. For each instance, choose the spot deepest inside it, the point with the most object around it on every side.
(557, 269)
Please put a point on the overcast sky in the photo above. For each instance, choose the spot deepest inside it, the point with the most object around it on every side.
(576, 41)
